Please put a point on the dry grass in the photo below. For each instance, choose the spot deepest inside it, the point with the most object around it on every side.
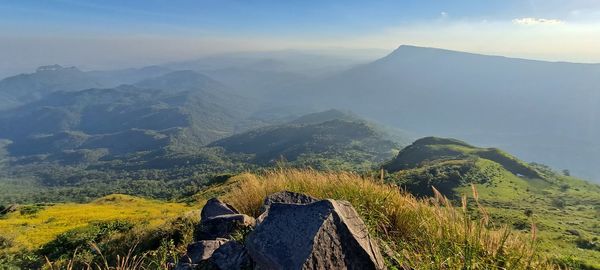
(419, 233)
(423, 234)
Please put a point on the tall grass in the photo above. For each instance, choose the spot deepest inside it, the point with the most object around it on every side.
(137, 249)
(420, 233)
(414, 233)
(132, 260)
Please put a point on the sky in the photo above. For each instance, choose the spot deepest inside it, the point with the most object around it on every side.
(105, 34)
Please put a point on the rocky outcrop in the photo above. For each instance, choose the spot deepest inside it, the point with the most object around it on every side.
(219, 223)
(323, 235)
(296, 232)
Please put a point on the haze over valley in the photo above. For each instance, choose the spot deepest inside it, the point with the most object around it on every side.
(539, 110)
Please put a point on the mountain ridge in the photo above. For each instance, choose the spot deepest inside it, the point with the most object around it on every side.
(490, 100)
(407, 48)
(315, 139)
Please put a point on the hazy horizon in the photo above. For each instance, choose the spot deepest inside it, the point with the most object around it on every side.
(108, 34)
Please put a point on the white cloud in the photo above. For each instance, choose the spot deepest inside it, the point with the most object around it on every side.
(536, 21)
(444, 14)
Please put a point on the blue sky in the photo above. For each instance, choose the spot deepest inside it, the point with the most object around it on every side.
(283, 17)
(125, 32)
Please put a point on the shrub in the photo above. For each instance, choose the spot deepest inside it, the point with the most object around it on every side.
(109, 245)
(30, 209)
(5, 242)
(67, 243)
(520, 224)
(559, 203)
(585, 243)
(572, 263)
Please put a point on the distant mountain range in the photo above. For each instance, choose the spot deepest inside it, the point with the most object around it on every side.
(139, 137)
(170, 131)
(24, 88)
(178, 110)
(542, 111)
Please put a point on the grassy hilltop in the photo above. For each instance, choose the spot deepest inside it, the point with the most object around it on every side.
(566, 210)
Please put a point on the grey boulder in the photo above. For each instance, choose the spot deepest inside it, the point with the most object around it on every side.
(223, 226)
(199, 253)
(215, 207)
(286, 197)
(326, 234)
(232, 256)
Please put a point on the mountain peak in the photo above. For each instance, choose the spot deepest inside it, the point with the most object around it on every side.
(54, 67)
(440, 141)
(409, 50)
(181, 80)
(325, 116)
(405, 47)
(186, 75)
(417, 52)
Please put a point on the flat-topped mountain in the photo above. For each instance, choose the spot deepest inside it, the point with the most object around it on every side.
(543, 111)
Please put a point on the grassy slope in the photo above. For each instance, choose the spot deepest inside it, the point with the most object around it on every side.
(507, 194)
(422, 234)
(31, 231)
(511, 196)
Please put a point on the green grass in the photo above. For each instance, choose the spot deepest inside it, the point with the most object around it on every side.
(422, 233)
(554, 223)
(565, 209)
